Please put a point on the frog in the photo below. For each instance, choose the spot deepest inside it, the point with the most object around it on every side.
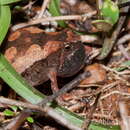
(40, 56)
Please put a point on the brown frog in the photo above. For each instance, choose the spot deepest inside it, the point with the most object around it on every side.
(40, 56)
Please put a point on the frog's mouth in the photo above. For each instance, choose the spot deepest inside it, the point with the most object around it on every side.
(72, 63)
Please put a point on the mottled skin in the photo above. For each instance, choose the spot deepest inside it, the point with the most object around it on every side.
(40, 56)
(65, 62)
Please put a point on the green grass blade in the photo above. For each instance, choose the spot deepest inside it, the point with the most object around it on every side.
(77, 120)
(54, 9)
(5, 2)
(5, 17)
(16, 82)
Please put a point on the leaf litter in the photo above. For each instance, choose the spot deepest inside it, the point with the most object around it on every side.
(107, 76)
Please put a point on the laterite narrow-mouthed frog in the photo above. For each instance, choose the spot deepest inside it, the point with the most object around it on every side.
(40, 56)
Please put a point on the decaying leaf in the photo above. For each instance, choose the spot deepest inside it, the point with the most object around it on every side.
(98, 74)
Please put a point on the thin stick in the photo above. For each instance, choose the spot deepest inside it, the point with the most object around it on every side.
(29, 5)
(19, 103)
(67, 17)
(44, 6)
(114, 71)
(115, 92)
(102, 89)
(66, 88)
(49, 110)
(89, 116)
(15, 123)
(121, 41)
(123, 51)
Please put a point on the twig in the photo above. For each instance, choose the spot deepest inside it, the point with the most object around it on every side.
(94, 54)
(67, 17)
(114, 71)
(66, 88)
(110, 69)
(123, 39)
(102, 89)
(115, 92)
(89, 85)
(118, 75)
(117, 53)
(123, 51)
(19, 103)
(29, 5)
(52, 112)
(44, 6)
(89, 116)
(120, 46)
(15, 123)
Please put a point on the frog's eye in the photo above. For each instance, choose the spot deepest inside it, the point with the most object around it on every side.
(67, 47)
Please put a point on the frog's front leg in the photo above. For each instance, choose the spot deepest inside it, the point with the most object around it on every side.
(53, 77)
(52, 74)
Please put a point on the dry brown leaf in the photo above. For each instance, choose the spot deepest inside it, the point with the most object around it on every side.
(98, 74)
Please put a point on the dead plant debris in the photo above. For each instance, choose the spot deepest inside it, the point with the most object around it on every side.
(58, 47)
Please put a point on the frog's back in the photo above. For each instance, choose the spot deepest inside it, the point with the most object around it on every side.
(28, 45)
(32, 52)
